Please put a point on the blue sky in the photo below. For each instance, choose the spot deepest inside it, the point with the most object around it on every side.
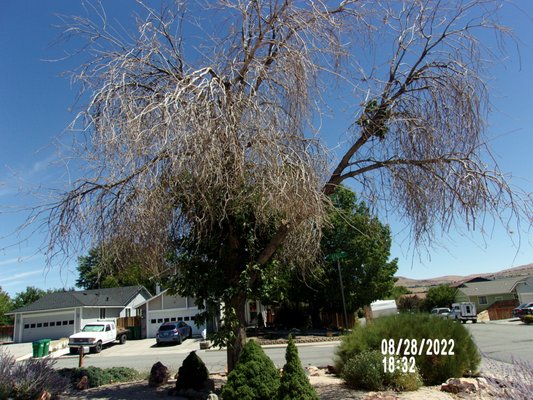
(36, 106)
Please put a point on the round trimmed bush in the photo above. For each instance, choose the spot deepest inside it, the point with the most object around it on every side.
(434, 369)
(294, 382)
(528, 319)
(255, 376)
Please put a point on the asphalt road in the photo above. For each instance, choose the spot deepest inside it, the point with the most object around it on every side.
(500, 341)
(318, 354)
(504, 341)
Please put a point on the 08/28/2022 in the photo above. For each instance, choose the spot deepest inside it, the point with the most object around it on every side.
(414, 347)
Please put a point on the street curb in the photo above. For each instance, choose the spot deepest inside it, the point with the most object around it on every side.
(284, 345)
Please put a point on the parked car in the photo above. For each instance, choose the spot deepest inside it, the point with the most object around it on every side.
(465, 311)
(521, 309)
(94, 335)
(173, 332)
(442, 312)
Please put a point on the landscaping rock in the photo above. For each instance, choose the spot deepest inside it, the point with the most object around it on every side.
(83, 383)
(44, 396)
(158, 375)
(312, 371)
(331, 370)
(460, 385)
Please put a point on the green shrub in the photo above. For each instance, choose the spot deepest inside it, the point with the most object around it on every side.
(404, 381)
(254, 378)
(104, 376)
(434, 369)
(26, 380)
(528, 319)
(365, 371)
(193, 373)
(294, 383)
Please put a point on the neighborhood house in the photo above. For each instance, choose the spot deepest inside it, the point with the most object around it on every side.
(484, 293)
(62, 314)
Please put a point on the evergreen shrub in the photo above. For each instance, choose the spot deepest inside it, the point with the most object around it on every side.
(528, 319)
(434, 369)
(255, 376)
(104, 376)
(294, 382)
(193, 373)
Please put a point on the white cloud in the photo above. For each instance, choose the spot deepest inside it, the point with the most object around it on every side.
(17, 277)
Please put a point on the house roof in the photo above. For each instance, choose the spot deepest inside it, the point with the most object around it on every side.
(108, 297)
(497, 286)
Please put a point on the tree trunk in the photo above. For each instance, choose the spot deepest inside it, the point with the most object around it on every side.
(238, 302)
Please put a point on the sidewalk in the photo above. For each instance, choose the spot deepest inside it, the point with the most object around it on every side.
(23, 351)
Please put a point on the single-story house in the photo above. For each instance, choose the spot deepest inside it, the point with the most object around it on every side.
(164, 307)
(484, 293)
(61, 314)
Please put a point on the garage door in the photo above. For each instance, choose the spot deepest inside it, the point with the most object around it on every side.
(54, 326)
(156, 318)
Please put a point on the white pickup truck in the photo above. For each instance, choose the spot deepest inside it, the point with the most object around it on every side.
(94, 335)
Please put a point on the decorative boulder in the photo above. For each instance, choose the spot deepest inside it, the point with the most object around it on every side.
(83, 383)
(460, 385)
(158, 375)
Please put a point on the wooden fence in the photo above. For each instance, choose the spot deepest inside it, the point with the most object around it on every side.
(502, 309)
(124, 322)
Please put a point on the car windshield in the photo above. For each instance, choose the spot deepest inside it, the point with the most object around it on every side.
(167, 327)
(93, 328)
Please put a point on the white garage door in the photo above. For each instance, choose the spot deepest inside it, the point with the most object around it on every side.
(56, 326)
(156, 318)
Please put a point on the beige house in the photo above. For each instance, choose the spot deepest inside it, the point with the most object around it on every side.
(485, 293)
(164, 307)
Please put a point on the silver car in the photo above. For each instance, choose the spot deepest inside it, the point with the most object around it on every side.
(173, 332)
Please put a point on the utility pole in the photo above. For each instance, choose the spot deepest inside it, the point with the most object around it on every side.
(338, 256)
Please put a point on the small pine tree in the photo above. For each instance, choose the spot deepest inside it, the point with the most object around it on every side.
(193, 373)
(255, 376)
(294, 383)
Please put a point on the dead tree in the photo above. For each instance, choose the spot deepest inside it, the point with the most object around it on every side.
(183, 137)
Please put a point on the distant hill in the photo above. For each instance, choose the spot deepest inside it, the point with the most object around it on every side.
(421, 285)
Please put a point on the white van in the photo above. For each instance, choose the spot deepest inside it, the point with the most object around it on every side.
(463, 312)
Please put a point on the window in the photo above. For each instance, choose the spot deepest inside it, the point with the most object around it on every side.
(482, 299)
(58, 323)
(52, 323)
(173, 319)
(26, 326)
(167, 319)
(160, 320)
(39, 325)
(32, 326)
(102, 313)
(107, 328)
(180, 319)
(71, 322)
(153, 321)
(65, 322)
(45, 324)
(186, 318)
(128, 312)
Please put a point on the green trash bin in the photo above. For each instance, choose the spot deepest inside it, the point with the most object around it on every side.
(137, 332)
(131, 332)
(46, 346)
(38, 347)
